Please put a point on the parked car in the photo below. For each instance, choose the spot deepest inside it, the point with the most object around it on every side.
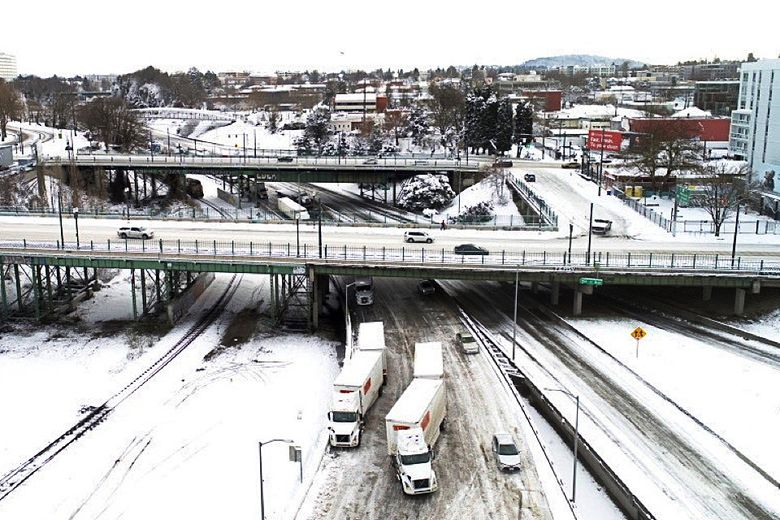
(426, 287)
(601, 226)
(505, 452)
(529, 177)
(371, 161)
(141, 232)
(503, 163)
(574, 165)
(417, 236)
(467, 342)
(284, 158)
(470, 249)
(420, 162)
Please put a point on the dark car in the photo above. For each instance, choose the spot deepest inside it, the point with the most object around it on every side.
(529, 177)
(426, 287)
(470, 249)
(574, 165)
(285, 158)
(503, 163)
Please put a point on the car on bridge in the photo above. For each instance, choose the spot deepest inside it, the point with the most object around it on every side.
(417, 236)
(574, 165)
(503, 163)
(470, 249)
(141, 232)
(285, 158)
(529, 177)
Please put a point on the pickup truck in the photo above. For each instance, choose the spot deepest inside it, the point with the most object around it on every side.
(600, 226)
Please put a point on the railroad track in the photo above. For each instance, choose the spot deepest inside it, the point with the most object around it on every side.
(17, 476)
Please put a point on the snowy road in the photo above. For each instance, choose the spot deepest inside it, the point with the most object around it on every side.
(676, 467)
(359, 484)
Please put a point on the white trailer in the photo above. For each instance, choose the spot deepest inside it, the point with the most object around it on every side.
(371, 336)
(292, 209)
(355, 390)
(428, 361)
(413, 426)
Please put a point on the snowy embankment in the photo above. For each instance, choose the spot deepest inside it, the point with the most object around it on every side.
(183, 446)
(487, 190)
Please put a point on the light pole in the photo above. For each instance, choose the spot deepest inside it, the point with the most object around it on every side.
(59, 211)
(260, 449)
(571, 230)
(576, 438)
(590, 233)
(514, 315)
(601, 161)
(319, 224)
(736, 232)
(297, 234)
(127, 198)
(76, 218)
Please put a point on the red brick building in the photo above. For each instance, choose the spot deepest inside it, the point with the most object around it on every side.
(705, 128)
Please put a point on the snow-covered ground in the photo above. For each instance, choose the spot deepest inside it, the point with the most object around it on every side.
(485, 190)
(186, 444)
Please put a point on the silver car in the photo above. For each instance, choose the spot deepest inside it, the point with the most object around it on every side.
(505, 452)
(141, 232)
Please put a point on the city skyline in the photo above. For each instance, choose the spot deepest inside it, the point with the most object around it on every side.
(266, 38)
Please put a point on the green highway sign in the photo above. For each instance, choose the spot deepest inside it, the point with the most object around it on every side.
(591, 281)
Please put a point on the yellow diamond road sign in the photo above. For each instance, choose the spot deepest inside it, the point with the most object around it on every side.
(638, 333)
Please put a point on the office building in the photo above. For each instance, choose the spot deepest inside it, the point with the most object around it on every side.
(7, 67)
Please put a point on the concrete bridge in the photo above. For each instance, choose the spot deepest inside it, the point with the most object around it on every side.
(301, 271)
(272, 169)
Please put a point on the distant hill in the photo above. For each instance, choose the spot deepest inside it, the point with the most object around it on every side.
(583, 60)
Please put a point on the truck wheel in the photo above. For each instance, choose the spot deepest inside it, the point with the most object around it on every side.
(443, 426)
(381, 389)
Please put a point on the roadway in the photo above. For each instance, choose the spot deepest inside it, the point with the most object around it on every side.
(14, 228)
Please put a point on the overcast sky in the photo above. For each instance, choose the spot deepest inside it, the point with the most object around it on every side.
(89, 36)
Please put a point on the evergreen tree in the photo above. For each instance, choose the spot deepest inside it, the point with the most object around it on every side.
(418, 126)
(524, 124)
(504, 126)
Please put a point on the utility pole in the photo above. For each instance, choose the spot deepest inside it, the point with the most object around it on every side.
(601, 161)
(590, 233)
(736, 232)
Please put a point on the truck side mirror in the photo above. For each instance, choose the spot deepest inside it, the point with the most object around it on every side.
(433, 455)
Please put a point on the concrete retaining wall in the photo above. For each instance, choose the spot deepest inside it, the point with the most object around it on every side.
(180, 305)
(227, 197)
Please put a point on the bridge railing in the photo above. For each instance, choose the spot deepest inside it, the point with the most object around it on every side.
(427, 256)
(260, 216)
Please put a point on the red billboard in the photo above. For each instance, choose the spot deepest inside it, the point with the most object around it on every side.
(608, 140)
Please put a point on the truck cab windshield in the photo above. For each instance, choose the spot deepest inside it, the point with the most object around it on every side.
(347, 417)
(418, 458)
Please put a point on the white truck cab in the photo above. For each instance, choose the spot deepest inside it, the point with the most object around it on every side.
(355, 390)
(413, 462)
(346, 421)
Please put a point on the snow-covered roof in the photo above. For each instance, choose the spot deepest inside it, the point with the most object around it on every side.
(428, 360)
(693, 112)
(358, 368)
(413, 403)
(371, 335)
(369, 97)
(595, 111)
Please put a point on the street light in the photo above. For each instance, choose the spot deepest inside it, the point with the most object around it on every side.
(576, 438)
(260, 449)
(514, 316)
(590, 233)
(571, 230)
(127, 199)
(76, 218)
(736, 232)
(298, 234)
(59, 211)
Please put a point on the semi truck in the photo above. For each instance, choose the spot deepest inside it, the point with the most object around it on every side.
(355, 390)
(364, 291)
(292, 209)
(413, 426)
(428, 361)
(371, 337)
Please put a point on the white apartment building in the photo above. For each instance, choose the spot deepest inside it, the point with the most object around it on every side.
(7, 67)
(755, 125)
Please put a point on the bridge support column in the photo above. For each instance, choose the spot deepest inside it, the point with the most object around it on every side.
(18, 287)
(132, 291)
(274, 296)
(706, 293)
(739, 302)
(143, 290)
(756, 287)
(534, 287)
(555, 290)
(577, 308)
(3, 294)
(36, 282)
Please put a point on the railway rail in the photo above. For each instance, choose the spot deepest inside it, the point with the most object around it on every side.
(11, 480)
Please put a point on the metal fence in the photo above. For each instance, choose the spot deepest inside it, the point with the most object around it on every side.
(546, 213)
(429, 256)
(261, 216)
(755, 227)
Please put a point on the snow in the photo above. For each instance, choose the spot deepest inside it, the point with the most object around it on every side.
(693, 112)
(596, 111)
(358, 368)
(485, 190)
(371, 335)
(186, 444)
(692, 373)
(428, 360)
(415, 400)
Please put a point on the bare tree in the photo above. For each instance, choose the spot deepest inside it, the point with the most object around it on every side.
(10, 107)
(112, 122)
(724, 190)
(669, 144)
(395, 119)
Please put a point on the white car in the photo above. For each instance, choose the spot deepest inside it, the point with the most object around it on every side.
(417, 236)
(141, 232)
(505, 452)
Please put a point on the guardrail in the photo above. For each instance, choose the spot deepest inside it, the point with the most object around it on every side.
(546, 213)
(260, 216)
(248, 160)
(607, 261)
